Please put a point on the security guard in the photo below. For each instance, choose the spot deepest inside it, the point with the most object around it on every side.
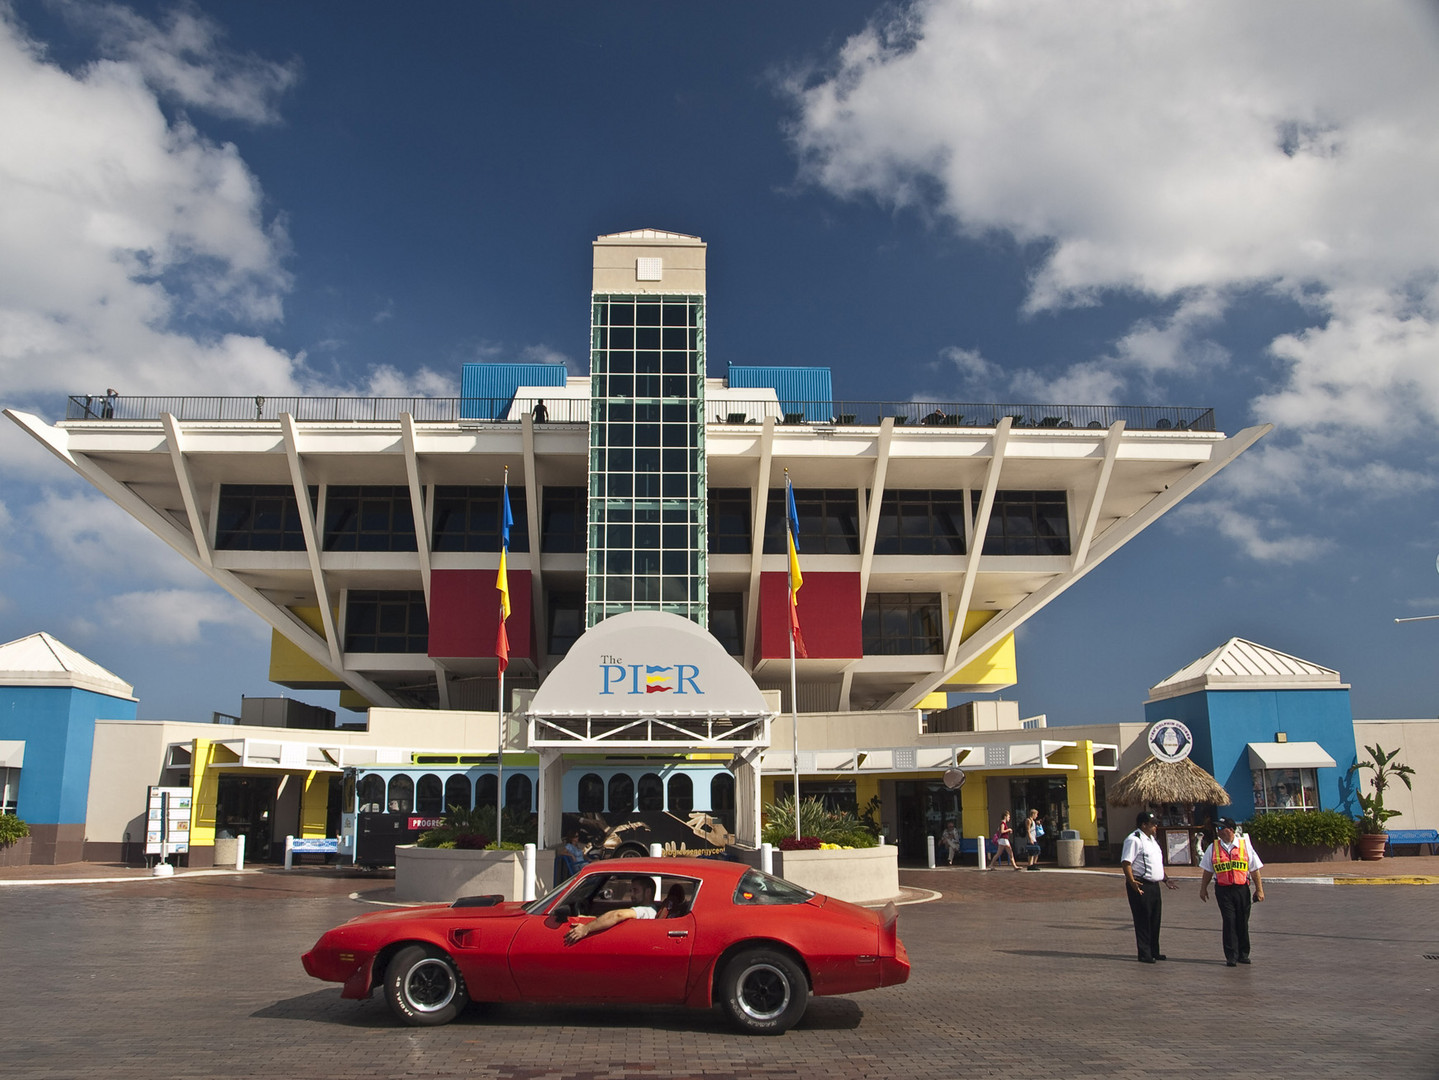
(1231, 864)
(1143, 863)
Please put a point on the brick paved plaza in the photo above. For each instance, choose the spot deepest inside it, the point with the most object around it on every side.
(1015, 975)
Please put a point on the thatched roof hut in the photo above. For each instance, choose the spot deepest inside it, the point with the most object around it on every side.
(1156, 782)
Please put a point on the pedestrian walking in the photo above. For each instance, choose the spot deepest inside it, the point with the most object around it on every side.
(1142, 860)
(1232, 864)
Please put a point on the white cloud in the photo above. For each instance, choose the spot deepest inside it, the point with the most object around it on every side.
(176, 616)
(92, 538)
(1183, 154)
(1264, 538)
(185, 59)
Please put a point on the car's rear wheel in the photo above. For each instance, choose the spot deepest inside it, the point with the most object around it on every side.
(764, 991)
(423, 986)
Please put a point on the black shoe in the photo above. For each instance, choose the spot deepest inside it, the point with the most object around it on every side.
(1146, 959)
(1245, 960)
(1229, 963)
(1161, 956)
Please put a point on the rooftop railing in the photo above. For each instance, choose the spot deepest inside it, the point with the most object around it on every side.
(727, 410)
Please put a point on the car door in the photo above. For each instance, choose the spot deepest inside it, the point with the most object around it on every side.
(644, 961)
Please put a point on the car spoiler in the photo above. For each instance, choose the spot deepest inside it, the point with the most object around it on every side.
(888, 928)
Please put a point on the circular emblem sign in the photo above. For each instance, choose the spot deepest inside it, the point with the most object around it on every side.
(1169, 740)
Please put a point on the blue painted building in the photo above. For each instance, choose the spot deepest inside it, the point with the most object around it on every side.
(50, 698)
(1276, 731)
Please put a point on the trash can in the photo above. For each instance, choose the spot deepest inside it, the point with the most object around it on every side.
(1071, 849)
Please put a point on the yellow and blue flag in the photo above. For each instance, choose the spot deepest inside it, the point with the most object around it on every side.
(502, 582)
(796, 579)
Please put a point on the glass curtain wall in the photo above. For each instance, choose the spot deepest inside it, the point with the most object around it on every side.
(647, 457)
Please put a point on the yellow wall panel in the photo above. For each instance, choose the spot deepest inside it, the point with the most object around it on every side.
(995, 666)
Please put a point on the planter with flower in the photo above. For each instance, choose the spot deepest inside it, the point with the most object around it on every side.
(459, 857)
(835, 853)
(1383, 770)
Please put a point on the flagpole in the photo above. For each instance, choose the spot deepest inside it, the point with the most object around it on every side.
(793, 691)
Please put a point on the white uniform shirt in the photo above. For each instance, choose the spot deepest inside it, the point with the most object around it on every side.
(1143, 852)
(1206, 861)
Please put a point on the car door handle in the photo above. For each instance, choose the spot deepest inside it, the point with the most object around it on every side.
(679, 933)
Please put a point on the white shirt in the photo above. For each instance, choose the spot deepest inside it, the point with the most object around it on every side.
(1206, 861)
(1143, 852)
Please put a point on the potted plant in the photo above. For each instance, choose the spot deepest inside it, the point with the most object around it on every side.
(1383, 770)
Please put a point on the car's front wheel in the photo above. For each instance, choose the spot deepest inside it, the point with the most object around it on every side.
(423, 986)
(764, 991)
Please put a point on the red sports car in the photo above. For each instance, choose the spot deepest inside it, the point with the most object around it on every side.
(722, 934)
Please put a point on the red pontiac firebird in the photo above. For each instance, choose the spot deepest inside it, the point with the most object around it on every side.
(721, 933)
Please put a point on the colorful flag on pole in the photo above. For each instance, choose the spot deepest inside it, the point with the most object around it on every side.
(796, 579)
(502, 582)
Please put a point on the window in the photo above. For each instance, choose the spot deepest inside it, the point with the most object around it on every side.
(372, 795)
(837, 796)
(652, 792)
(592, 794)
(828, 521)
(722, 794)
(921, 523)
(902, 624)
(729, 521)
(1285, 789)
(562, 522)
(518, 792)
(457, 791)
(9, 790)
(386, 622)
(727, 621)
(468, 519)
(757, 887)
(430, 795)
(622, 794)
(368, 519)
(401, 795)
(1028, 523)
(681, 793)
(486, 787)
(566, 621)
(259, 517)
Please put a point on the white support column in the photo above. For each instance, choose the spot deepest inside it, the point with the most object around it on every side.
(549, 798)
(756, 556)
(1096, 502)
(745, 767)
(312, 536)
(418, 510)
(198, 532)
(876, 499)
(976, 551)
(539, 617)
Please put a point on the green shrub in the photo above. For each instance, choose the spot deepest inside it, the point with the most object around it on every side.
(1320, 828)
(815, 821)
(12, 829)
(475, 829)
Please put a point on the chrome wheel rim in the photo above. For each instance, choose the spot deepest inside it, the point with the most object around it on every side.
(430, 985)
(764, 992)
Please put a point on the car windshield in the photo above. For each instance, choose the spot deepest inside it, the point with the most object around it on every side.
(534, 907)
(757, 887)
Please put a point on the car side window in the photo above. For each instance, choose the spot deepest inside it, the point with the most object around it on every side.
(757, 887)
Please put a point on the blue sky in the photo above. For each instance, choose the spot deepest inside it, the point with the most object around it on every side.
(1068, 201)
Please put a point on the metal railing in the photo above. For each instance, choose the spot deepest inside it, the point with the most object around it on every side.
(942, 414)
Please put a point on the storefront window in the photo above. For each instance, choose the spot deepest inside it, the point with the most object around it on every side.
(1285, 789)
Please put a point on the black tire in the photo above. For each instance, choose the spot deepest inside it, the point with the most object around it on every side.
(764, 991)
(423, 987)
(632, 851)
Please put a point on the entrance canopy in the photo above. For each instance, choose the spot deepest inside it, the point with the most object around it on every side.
(648, 679)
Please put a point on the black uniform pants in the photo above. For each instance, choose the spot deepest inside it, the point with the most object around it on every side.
(1146, 908)
(1234, 902)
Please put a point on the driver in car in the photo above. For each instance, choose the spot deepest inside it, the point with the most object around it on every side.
(645, 890)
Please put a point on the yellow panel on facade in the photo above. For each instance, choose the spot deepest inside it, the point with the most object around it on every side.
(995, 667)
(289, 664)
(314, 806)
(352, 699)
(937, 700)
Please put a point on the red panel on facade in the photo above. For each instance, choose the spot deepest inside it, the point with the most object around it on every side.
(829, 616)
(465, 614)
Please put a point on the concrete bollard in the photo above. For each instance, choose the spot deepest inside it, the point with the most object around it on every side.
(929, 850)
(529, 872)
(979, 847)
(766, 858)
